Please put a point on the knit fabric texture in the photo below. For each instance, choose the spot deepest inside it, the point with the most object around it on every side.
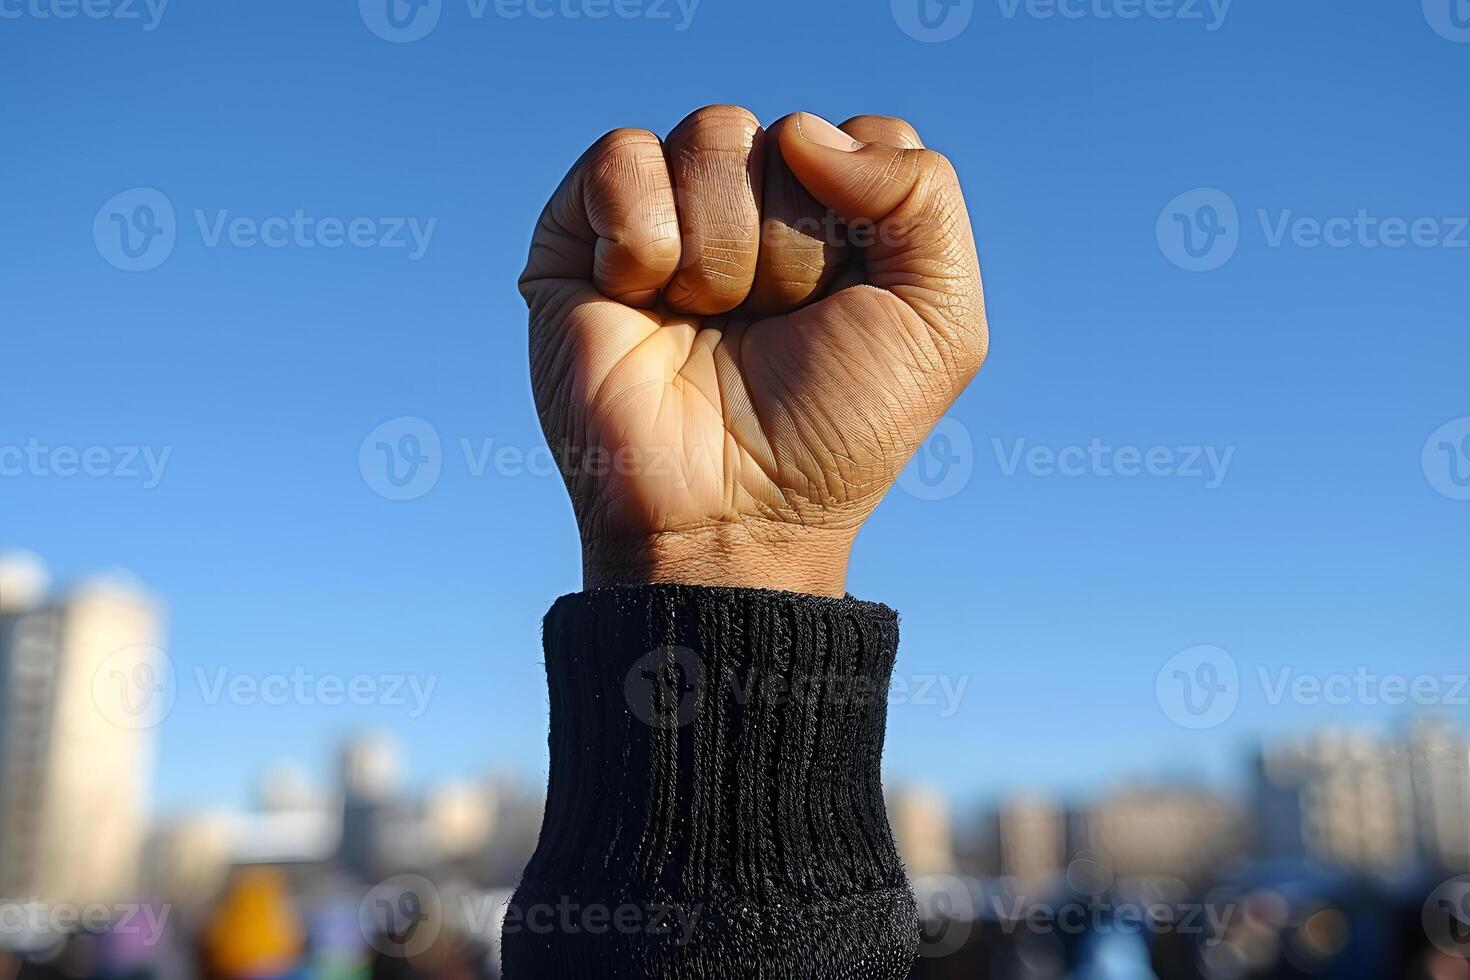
(715, 808)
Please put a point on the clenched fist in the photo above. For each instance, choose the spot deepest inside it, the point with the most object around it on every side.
(740, 335)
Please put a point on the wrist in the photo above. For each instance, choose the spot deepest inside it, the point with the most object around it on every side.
(784, 558)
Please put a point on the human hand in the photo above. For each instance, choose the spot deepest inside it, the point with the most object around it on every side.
(740, 336)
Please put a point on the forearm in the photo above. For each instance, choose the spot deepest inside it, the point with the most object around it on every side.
(715, 807)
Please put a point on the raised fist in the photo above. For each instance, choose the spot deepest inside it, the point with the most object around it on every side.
(739, 336)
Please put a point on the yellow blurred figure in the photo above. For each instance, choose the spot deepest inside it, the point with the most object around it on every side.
(253, 932)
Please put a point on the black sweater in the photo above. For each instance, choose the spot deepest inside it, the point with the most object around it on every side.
(714, 808)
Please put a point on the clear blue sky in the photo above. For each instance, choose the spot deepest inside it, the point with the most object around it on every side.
(1325, 548)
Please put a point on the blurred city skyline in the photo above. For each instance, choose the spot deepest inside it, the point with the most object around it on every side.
(86, 685)
(1338, 849)
(392, 702)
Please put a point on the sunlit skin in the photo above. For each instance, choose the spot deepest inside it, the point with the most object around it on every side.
(739, 336)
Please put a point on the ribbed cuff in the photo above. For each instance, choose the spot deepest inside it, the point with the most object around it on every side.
(715, 807)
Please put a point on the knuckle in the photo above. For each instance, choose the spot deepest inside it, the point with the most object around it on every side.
(884, 129)
(620, 141)
(869, 119)
(719, 116)
(936, 177)
(933, 163)
(622, 135)
(652, 248)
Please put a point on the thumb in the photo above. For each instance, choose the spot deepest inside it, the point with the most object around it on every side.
(862, 182)
(908, 205)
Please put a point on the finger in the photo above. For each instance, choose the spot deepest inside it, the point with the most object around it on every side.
(888, 130)
(611, 222)
(802, 245)
(716, 162)
(923, 249)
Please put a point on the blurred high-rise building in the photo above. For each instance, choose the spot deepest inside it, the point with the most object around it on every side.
(458, 820)
(516, 811)
(1185, 833)
(81, 684)
(1033, 839)
(189, 857)
(1439, 761)
(921, 829)
(372, 811)
(1343, 798)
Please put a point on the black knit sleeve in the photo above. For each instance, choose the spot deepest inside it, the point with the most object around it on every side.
(715, 808)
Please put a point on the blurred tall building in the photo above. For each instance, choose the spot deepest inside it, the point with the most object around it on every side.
(372, 809)
(1439, 769)
(1032, 838)
(1184, 833)
(188, 858)
(1368, 803)
(81, 683)
(1342, 798)
(921, 829)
